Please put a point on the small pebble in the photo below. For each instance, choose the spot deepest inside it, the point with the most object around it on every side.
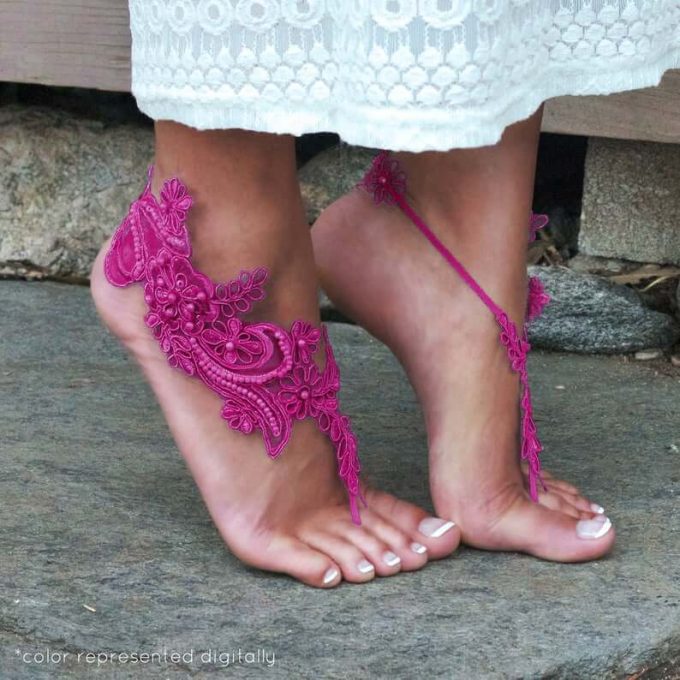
(675, 360)
(648, 354)
(674, 448)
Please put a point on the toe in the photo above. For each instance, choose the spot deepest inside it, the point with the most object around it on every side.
(412, 555)
(380, 554)
(354, 564)
(560, 484)
(581, 503)
(554, 535)
(440, 537)
(287, 554)
(558, 502)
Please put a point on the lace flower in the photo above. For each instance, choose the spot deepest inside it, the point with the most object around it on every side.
(232, 341)
(239, 418)
(536, 223)
(537, 298)
(384, 179)
(176, 203)
(179, 298)
(303, 393)
(305, 341)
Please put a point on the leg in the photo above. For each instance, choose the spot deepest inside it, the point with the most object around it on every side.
(477, 201)
(290, 514)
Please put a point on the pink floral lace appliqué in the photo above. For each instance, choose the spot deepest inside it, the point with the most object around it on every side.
(266, 375)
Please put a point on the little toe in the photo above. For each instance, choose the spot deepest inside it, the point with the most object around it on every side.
(288, 555)
(440, 537)
(354, 564)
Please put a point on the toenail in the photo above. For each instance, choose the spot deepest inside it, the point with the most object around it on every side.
(390, 559)
(418, 548)
(593, 528)
(365, 567)
(330, 575)
(434, 527)
(597, 508)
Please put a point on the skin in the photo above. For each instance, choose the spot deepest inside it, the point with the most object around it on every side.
(380, 271)
(289, 515)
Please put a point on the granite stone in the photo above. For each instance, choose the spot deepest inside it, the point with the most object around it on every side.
(330, 174)
(631, 201)
(592, 315)
(65, 183)
(107, 547)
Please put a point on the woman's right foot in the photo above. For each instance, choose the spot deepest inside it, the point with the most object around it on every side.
(286, 515)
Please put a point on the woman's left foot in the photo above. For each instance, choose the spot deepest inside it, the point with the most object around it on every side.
(381, 272)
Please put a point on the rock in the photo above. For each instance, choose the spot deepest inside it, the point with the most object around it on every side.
(631, 201)
(331, 174)
(589, 264)
(590, 314)
(648, 354)
(99, 512)
(65, 184)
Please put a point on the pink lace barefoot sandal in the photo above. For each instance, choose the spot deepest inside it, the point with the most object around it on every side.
(386, 181)
(266, 375)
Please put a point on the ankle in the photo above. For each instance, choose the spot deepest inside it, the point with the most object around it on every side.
(256, 224)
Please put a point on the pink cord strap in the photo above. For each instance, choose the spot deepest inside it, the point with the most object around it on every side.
(386, 181)
(265, 374)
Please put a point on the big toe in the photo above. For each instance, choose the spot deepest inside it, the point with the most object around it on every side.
(438, 537)
(553, 534)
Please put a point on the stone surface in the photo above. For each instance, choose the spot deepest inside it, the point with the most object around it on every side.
(99, 511)
(65, 183)
(631, 201)
(331, 174)
(589, 314)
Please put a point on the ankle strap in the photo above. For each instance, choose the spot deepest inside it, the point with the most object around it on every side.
(386, 181)
(265, 374)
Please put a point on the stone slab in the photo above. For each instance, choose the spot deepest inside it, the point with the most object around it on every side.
(65, 184)
(631, 201)
(331, 174)
(99, 511)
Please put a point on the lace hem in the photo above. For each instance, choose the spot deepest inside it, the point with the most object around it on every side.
(396, 128)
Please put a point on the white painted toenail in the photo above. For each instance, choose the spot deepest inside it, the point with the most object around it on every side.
(434, 527)
(330, 575)
(597, 508)
(593, 528)
(365, 567)
(418, 548)
(390, 559)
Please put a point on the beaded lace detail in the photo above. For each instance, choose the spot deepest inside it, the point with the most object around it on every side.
(266, 375)
(386, 181)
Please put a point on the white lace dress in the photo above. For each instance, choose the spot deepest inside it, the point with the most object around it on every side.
(397, 74)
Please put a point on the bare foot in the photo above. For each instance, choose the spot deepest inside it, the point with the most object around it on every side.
(381, 272)
(290, 514)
